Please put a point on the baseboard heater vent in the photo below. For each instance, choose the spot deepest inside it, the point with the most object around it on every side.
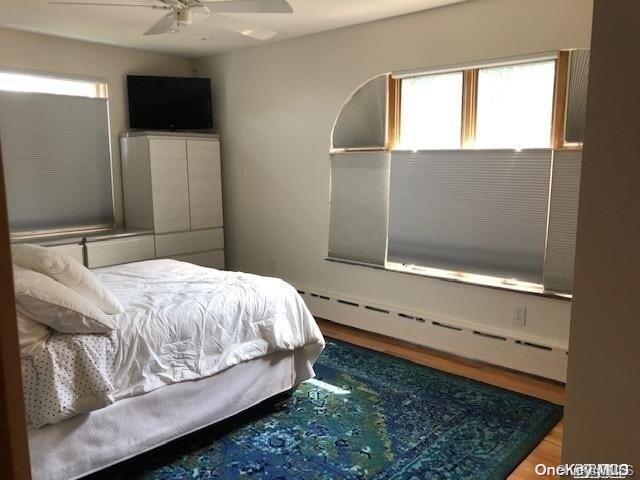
(300, 292)
(534, 345)
(444, 325)
(376, 309)
(351, 304)
(321, 297)
(411, 317)
(499, 347)
(488, 335)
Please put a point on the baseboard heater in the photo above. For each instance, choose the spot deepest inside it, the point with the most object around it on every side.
(493, 346)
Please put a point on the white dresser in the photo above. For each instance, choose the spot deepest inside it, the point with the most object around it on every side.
(100, 247)
(172, 186)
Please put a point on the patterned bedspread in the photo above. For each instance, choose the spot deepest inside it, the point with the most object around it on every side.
(73, 374)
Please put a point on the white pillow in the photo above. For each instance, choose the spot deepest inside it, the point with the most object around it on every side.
(46, 301)
(67, 271)
(32, 335)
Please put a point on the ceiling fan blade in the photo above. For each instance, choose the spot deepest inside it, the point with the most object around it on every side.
(97, 4)
(248, 6)
(164, 25)
(244, 28)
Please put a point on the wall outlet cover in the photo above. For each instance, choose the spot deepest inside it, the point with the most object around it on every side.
(520, 315)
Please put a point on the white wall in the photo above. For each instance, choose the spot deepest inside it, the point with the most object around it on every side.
(23, 51)
(275, 105)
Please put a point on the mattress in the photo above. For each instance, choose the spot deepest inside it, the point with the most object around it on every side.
(180, 322)
(84, 444)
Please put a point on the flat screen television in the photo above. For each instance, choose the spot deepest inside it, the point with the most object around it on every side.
(169, 103)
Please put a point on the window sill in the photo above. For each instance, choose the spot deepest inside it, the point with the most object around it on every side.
(466, 279)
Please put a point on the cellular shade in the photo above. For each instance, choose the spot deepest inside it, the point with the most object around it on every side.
(362, 122)
(577, 95)
(56, 159)
(563, 221)
(471, 211)
(359, 207)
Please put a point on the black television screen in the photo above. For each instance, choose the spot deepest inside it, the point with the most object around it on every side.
(169, 103)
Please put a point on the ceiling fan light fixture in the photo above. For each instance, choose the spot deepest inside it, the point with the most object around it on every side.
(180, 13)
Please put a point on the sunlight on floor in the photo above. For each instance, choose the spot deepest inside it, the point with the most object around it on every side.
(327, 386)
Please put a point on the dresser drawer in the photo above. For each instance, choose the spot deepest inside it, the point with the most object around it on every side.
(205, 259)
(75, 251)
(125, 250)
(189, 242)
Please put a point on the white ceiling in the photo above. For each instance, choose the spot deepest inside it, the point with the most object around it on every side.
(124, 26)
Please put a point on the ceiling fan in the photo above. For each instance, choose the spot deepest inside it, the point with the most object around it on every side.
(180, 14)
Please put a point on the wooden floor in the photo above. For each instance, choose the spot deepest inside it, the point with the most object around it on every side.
(547, 452)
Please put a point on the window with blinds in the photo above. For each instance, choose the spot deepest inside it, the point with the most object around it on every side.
(470, 187)
(55, 142)
(506, 214)
(482, 212)
(563, 221)
(577, 96)
(362, 121)
(359, 207)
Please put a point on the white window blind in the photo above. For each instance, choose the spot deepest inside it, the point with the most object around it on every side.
(57, 160)
(362, 122)
(563, 221)
(473, 211)
(577, 95)
(359, 207)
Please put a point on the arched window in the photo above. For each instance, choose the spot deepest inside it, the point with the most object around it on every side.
(463, 172)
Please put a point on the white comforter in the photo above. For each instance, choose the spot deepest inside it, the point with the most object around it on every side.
(181, 322)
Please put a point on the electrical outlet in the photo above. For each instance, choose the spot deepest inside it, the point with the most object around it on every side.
(520, 315)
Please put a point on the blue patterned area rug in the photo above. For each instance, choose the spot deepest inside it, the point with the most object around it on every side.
(366, 415)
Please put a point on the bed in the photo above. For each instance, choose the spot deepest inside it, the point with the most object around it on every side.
(191, 347)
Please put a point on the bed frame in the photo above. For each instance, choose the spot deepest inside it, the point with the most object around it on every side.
(87, 443)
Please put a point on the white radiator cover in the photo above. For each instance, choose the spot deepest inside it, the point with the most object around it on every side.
(463, 338)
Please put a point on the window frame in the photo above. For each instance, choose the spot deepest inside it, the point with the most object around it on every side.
(470, 102)
(394, 106)
(100, 86)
